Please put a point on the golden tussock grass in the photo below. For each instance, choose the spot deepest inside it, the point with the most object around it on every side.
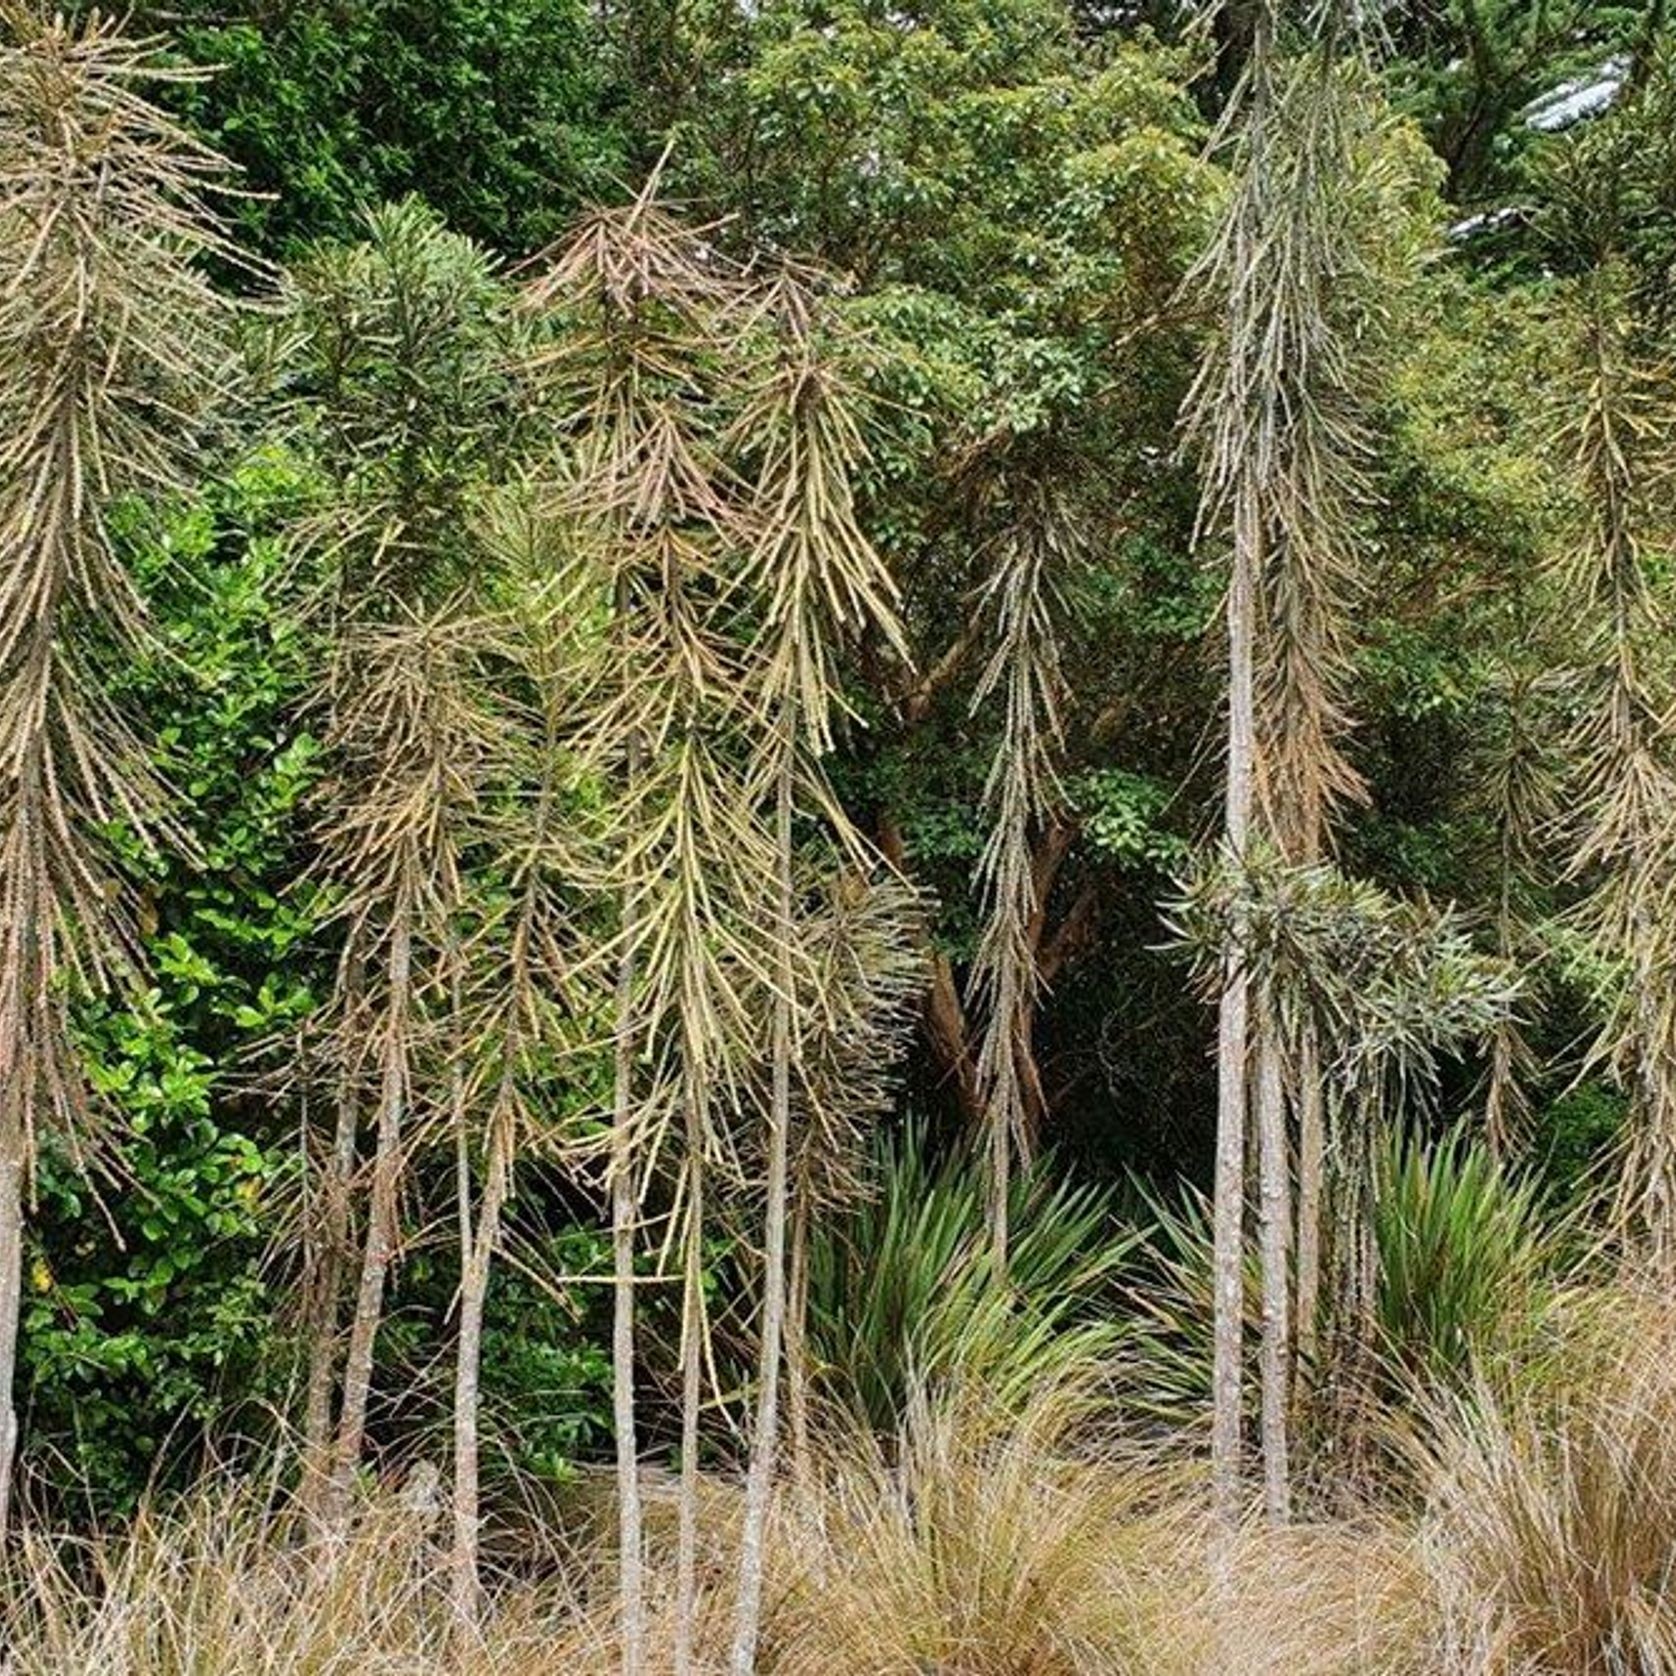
(1540, 1541)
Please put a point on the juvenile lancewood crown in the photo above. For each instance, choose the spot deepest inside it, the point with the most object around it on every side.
(400, 346)
(821, 585)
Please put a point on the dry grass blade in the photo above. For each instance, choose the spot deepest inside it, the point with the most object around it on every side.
(1548, 1530)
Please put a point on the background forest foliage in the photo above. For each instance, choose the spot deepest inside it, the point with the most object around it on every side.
(965, 254)
(1016, 192)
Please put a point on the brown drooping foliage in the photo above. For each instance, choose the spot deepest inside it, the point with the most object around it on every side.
(411, 735)
(112, 341)
(1276, 418)
(822, 586)
(647, 327)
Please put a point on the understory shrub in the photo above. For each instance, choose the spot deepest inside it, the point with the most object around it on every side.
(903, 1292)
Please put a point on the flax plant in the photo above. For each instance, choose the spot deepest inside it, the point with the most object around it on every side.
(112, 340)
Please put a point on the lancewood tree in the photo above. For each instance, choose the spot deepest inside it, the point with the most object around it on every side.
(400, 349)
(111, 342)
(1618, 441)
(648, 330)
(1227, 410)
(1309, 590)
(1037, 542)
(518, 1005)
(821, 586)
(412, 745)
(1277, 414)
(709, 445)
(1520, 781)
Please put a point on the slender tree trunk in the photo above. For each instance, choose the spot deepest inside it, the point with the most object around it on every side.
(1365, 1292)
(1228, 1217)
(946, 1033)
(477, 1248)
(625, 1217)
(692, 1389)
(323, 1323)
(467, 1361)
(765, 1437)
(797, 1337)
(1275, 1230)
(1233, 1027)
(1497, 1127)
(20, 1085)
(480, 1241)
(1503, 1091)
(328, 1287)
(12, 1171)
(379, 1250)
(1655, 1177)
(1312, 1157)
(1000, 1199)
